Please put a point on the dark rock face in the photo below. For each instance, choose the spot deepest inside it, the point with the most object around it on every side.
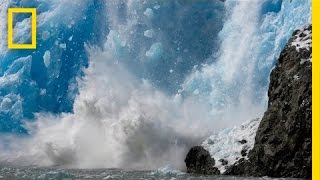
(283, 140)
(199, 161)
(243, 141)
(224, 162)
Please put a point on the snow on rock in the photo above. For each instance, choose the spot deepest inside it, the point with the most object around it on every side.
(231, 144)
(296, 77)
(302, 39)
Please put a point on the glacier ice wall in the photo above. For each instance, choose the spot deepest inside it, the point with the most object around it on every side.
(38, 86)
(65, 27)
(252, 37)
(134, 83)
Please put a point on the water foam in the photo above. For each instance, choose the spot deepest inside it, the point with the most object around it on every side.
(118, 121)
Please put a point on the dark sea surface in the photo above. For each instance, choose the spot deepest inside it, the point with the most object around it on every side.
(9, 173)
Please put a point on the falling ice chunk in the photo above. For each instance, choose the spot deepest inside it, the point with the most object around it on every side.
(156, 7)
(63, 46)
(148, 33)
(196, 92)
(155, 51)
(43, 92)
(45, 35)
(47, 58)
(149, 13)
(6, 104)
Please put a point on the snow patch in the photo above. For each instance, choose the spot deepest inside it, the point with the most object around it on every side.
(305, 60)
(302, 40)
(231, 144)
(296, 77)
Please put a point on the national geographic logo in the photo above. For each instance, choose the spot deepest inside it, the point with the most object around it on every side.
(33, 12)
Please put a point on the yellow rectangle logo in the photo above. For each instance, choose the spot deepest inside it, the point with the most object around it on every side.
(11, 12)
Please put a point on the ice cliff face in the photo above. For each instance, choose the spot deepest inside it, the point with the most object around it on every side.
(31, 80)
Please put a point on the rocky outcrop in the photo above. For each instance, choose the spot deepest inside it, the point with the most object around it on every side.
(199, 161)
(282, 146)
(231, 144)
(283, 140)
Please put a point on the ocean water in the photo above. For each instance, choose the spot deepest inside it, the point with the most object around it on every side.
(113, 174)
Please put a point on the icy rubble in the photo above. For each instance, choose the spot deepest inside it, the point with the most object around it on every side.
(231, 144)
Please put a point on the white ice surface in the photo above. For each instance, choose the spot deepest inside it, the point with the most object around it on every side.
(226, 143)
